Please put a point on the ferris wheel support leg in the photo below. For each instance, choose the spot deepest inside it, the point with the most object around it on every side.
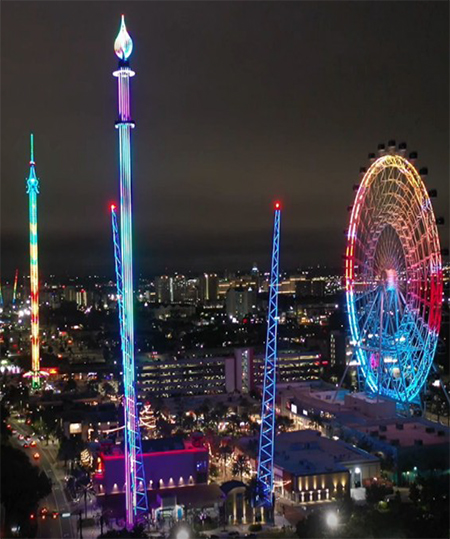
(445, 392)
(338, 388)
(442, 386)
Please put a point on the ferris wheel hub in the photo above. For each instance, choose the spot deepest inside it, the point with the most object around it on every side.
(390, 279)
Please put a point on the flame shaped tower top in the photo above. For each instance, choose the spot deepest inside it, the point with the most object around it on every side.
(123, 45)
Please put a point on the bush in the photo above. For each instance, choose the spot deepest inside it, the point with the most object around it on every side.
(255, 528)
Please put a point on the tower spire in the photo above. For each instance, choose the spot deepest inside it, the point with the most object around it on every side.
(123, 45)
(136, 503)
(31, 149)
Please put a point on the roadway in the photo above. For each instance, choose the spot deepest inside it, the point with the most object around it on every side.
(56, 502)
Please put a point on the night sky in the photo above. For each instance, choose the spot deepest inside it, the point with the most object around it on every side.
(236, 104)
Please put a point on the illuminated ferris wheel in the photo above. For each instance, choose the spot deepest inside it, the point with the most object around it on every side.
(393, 277)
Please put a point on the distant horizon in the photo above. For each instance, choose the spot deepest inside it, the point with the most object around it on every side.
(321, 269)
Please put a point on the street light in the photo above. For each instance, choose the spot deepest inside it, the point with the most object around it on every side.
(182, 533)
(332, 520)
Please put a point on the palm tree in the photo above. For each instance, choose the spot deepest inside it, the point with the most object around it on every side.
(241, 466)
(225, 453)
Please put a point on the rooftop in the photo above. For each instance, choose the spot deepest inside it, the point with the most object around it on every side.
(306, 452)
(406, 432)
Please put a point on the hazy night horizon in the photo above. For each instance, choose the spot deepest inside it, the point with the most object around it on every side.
(236, 105)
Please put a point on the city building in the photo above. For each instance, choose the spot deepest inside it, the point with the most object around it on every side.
(176, 473)
(409, 443)
(208, 287)
(162, 375)
(205, 373)
(311, 468)
(240, 302)
(164, 289)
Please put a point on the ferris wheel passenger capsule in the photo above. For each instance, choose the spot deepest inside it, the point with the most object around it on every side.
(356, 186)
(402, 149)
(440, 221)
(413, 156)
(423, 173)
(432, 193)
(371, 157)
(392, 146)
(381, 149)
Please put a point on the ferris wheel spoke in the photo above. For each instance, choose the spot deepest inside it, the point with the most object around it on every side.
(365, 295)
(369, 318)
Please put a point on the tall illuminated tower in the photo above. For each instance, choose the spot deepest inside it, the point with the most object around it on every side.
(33, 191)
(135, 485)
(16, 279)
(267, 432)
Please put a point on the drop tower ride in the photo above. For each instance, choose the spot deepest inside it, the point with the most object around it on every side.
(33, 191)
(136, 504)
(264, 494)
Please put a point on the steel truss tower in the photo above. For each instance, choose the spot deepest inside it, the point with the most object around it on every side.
(33, 191)
(264, 493)
(135, 485)
(117, 266)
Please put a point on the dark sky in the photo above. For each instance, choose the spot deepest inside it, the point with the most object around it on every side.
(236, 104)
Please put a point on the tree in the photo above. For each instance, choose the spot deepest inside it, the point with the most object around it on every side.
(283, 423)
(225, 453)
(136, 533)
(241, 466)
(213, 470)
(23, 486)
(254, 491)
(376, 492)
(4, 414)
(70, 385)
(70, 448)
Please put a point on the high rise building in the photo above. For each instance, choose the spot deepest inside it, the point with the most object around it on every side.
(240, 302)
(318, 286)
(209, 287)
(164, 289)
(179, 288)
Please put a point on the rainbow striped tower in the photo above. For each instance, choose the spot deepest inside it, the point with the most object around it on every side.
(33, 191)
(135, 485)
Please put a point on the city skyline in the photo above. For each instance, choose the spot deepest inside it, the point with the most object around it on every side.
(210, 159)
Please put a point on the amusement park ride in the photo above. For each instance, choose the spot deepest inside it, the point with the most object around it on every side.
(393, 275)
(33, 190)
(136, 504)
(264, 495)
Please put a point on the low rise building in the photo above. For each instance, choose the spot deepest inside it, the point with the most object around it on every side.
(309, 467)
(407, 445)
(176, 473)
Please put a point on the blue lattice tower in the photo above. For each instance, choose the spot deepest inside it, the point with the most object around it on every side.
(264, 494)
(141, 497)
(136, 503)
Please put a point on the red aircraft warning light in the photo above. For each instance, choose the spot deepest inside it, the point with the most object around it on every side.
(278, 205)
